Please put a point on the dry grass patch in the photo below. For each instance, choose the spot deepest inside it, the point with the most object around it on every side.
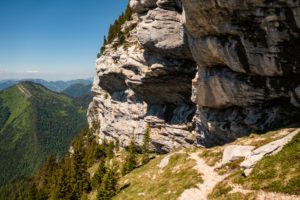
(93, 169)
(258, 140)
(237, 196)
(156, 183)
(212, 156)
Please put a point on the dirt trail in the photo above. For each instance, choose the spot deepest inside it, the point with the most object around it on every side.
(211, 178)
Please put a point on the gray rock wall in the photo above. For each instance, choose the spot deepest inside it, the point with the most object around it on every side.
(200, 72)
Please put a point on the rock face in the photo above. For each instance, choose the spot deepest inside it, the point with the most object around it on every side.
(246, 51)
(200, 72)
(149, 85)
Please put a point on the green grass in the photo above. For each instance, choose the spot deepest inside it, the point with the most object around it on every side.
(212, 156)
(220, 190)
(278, 173)
(177, 176)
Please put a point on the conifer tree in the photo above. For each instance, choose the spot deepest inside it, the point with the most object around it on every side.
(46, 178)
(131, 159)
(80, 176)
(104, 41)
(63, 187)
(128, 13)
(98, 176)
(146, 146)
(16, 196)
(99, 152)
(84, 196)
(108, 187)
(110, 150)
(117, 147)
(111, 35)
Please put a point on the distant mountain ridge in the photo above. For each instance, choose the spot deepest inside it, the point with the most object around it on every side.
(78, 89)
(57, 86)
(34, 122)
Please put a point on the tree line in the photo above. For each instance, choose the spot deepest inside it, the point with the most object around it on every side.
(115, 30)
(68, 178)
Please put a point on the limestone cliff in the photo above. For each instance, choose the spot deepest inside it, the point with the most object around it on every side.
(199, 72)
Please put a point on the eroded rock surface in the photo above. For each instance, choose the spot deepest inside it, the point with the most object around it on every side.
(140, 86)
(200, 72)
(248, 63)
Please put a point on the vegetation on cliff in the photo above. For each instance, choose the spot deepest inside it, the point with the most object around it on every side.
(115, 30)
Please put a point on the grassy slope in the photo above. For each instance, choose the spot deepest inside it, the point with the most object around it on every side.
(177, 176)
(78, 89)
(278, 173)
(37, 126)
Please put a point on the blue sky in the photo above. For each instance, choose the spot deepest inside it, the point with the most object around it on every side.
(53, 39)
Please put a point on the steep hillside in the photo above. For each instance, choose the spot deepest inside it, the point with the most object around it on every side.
(35, 122)
(78, 89)
(92, 171)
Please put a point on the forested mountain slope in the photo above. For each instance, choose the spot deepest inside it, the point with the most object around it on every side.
(57, 86)
(35, 122)
(78, 89)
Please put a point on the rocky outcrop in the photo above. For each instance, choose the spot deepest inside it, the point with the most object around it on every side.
(234, 152)
(231, 66)
(247, 65)
(147, 85)
(267, 150)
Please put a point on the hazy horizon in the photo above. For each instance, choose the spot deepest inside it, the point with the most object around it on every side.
(49, 80)
(53, 40)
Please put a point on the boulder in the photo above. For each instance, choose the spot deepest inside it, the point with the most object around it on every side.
(267, 150)
(234, 152)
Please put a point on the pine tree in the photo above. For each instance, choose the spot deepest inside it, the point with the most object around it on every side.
(99, 152)
(16, 196)
(108, 187)
(111, 35)
(98, 176)
(46, 178)
(131, 159)
(128, 13)
(110, 150)
(146, 146)
(63, 186)
(84, 196)
(117, 147)
(104, 41)
(80, 176)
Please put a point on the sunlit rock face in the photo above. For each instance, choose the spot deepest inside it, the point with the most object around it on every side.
(148, 82)
(200, 72)
(247, 55)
